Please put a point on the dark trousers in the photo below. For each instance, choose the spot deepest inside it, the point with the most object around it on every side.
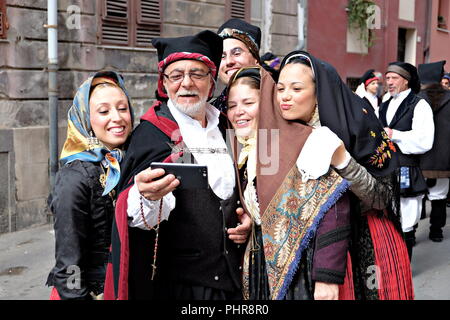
(410, 240)
(438, 216)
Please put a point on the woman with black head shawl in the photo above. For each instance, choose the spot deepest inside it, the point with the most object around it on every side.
(296, 251)
(368, 89)
(380, 264)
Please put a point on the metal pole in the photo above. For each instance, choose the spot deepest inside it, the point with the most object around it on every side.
(52, 27)
(428, 24)
(302, 19)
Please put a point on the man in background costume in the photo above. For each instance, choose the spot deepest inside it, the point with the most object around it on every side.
(241, 42)
(435, 164)
(408, 121)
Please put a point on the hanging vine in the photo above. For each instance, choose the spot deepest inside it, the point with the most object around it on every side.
(358, 15)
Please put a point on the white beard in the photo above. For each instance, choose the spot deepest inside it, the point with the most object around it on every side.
(192, 110)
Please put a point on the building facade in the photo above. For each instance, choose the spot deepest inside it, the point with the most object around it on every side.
(402, 30)
(116, 34)
(439, 42)
(94, 35)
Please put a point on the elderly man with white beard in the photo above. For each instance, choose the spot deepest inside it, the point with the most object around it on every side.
(408, 122)
(172, 243)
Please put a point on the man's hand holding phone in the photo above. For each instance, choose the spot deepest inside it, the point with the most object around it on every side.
(152, 187)
(239, 235)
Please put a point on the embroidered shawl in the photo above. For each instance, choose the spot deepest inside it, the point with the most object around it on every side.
(291, 210)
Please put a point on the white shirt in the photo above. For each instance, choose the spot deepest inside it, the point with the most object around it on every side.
(420, 138)
(373, 99)
(221, 174)
(315, 158)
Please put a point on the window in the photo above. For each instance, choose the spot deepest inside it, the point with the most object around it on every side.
(3, 24)
(237, 9)
(355, 43)
(352, 83)
(407, 10)
(407, 45)
(401, 44)
(443, 14)
(130, 23)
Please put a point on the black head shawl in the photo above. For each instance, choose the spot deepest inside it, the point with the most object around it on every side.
(251, 72)
(347, 115)
(368, 75)
(431, 72)
(407, 71)
(268, 56)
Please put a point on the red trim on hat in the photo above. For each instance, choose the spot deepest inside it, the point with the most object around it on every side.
(370, 80)
(183, 56)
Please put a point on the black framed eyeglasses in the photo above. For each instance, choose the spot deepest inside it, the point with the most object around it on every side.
(177, 77)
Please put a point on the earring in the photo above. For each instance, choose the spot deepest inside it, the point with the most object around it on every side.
(92, 141)
(315, 121)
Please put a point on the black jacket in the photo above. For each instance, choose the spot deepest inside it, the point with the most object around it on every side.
(82, 223)
(193, 246)
(436, 162)
(402, 121)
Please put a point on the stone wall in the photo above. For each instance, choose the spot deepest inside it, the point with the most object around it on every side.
(7, 185)
(24, 82)
(284, 28)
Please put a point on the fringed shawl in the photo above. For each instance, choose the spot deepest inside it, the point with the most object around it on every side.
(290, 222)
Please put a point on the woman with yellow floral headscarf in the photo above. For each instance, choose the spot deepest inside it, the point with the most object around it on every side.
(82, 201)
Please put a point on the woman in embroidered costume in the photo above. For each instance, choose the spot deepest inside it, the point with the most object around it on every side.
(298, 247)
(99, 123)
(380, 265)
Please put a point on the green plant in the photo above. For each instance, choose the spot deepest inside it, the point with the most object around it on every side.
(358, 15)
(441, 22)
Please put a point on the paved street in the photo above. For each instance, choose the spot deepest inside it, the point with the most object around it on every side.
(27, 256)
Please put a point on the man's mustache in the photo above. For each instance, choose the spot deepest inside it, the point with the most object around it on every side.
(187, 93)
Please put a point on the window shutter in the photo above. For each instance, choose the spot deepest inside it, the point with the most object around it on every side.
(115, 34)
(238, 9)
(2, 19)
(116, 10)
(149, 21)
(1, 22)
(115, 24)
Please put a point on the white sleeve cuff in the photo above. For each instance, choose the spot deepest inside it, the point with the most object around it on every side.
(150, 209)
(395, 136)
(345, 163)
(315, 158)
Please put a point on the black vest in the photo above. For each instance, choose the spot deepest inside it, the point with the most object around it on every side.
(193, 246)
(438, 158)
(198, 250)
(402, 121)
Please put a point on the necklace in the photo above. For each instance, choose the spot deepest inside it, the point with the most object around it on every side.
(156, 228)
